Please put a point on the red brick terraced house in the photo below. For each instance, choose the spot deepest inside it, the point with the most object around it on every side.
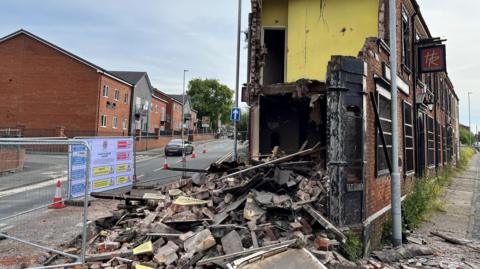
(45, 88)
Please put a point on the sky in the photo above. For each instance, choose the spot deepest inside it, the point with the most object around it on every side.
(165, 37)
(459, 22)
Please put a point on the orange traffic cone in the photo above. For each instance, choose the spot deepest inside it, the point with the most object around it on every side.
(204, 148)
(58, 200)
(165, 164)
(193, 154)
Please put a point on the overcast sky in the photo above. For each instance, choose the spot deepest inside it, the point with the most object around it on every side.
(166, 37)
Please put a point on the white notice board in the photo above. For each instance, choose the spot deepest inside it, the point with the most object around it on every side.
(111, 165)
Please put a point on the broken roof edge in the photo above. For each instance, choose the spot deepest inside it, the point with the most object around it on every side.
(303, 85)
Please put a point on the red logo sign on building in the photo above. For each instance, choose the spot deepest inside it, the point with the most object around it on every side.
(432, 59)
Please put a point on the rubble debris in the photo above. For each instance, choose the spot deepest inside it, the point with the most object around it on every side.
(286, 259)
(405, 252)
(146, 247)
(234, 215)
(232, 243)
(325, 223)
(199, 242)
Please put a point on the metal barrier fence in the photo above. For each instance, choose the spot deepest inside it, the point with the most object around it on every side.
(30, 170)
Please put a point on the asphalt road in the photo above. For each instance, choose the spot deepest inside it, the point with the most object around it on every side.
(37, 186)
(150, 170)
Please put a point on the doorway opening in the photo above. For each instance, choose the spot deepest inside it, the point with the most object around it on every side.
(274, 68)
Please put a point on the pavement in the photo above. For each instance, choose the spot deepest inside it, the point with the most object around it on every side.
(460, 220)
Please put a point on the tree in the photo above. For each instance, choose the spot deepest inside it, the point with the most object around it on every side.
(211, 99)
(242, 126)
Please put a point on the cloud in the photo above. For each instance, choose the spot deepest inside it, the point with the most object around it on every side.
(157, 36)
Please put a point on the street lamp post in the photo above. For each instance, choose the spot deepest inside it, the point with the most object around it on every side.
(237, 79)
(184, 161)
(395, 174)
(469, 120)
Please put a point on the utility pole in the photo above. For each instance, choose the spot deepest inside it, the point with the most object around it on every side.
(469, 121)
(184, 160)
(237, 78)
(395, 174)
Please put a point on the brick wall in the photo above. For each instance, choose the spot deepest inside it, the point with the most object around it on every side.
(11, 158)
(112, 108)
(156, 114)
(42, 88)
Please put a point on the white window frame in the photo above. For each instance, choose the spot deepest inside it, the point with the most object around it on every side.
(105, 91)
(116, 95)
(124, 124)
(387, 95)
(103, 121)
(125, 98)
(114, 122)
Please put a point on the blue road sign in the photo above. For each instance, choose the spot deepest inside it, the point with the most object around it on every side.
(235, 115)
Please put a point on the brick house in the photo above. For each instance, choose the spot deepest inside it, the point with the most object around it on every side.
(43, 87)
(159, 112)
(324, 85)
(141, 106)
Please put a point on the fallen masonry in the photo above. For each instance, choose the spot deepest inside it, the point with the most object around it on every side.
(272, 214)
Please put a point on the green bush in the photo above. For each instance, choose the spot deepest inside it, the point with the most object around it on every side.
(423, 199)
(353, 247)
(466, 153)
(419, 201)
(465, 136)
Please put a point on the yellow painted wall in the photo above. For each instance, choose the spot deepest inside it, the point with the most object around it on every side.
(274, 13)
(315, 33)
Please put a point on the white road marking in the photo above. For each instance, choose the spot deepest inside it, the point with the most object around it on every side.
(44, 184)
(158, 169)
(140, 176)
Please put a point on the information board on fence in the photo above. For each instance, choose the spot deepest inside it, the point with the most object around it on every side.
(111, 165)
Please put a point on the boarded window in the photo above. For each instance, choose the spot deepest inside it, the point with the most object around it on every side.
(408, 137)
(384, 111)
(431, 141)
(438, 141)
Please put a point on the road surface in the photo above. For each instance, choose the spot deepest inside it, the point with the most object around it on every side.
(35, 187)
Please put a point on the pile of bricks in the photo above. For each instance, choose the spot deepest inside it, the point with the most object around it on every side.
(215, 220)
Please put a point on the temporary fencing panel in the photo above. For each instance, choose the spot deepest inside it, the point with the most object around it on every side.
(34, 180)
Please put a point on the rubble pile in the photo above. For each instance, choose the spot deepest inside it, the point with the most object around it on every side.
(226, 218)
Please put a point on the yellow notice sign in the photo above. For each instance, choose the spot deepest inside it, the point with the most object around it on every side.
(183, 200)
(139, 266)
(146, 247)
(103, 183)
(122, 180)
(102, 170)
(122, 168)
(154, 196)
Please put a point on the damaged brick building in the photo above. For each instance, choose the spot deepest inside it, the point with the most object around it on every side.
(318, 71)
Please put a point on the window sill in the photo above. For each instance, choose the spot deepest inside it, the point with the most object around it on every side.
(382, 173)
(406, 69)
(410, 173)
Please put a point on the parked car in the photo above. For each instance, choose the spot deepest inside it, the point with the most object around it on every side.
(174, 147)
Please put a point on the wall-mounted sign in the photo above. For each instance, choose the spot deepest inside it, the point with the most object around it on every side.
(432, 59)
